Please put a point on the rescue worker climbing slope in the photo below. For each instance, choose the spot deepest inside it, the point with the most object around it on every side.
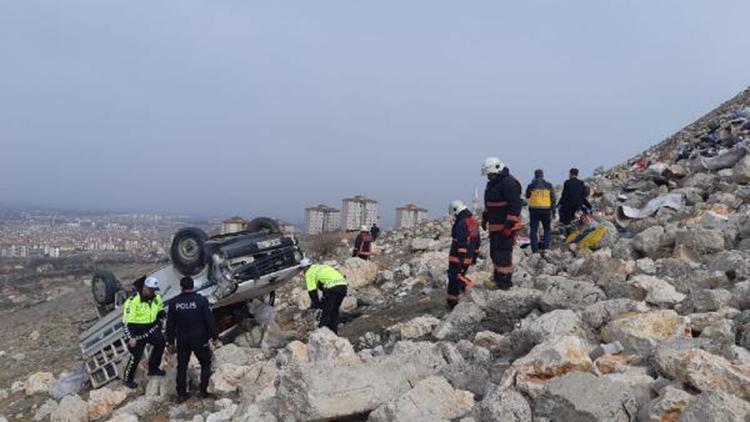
(363, 244)
(141, 317)
(463, 253)
(502, 210)
(333, 285)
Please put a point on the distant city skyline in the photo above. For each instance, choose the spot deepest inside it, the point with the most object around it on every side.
(263, 108)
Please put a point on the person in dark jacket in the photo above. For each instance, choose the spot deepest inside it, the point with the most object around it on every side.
(574, 197)
(363, 244)
(464, 251)
(374, 231)
(191, 324)
(542, 202)
(502, 210)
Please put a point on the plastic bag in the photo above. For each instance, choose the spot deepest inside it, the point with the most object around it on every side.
(70, 382)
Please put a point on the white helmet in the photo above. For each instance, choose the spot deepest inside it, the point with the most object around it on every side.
(492, 165)
(364, 228)
(305, 262)
(456, 207)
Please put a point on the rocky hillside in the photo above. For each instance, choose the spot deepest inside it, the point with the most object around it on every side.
(654, 325)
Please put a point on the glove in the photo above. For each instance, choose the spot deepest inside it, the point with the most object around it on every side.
(509, 224)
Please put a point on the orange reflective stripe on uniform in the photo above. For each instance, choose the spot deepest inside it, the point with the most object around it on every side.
(468, 261)
(504, 269)
(462, 250)
(500, 204)
(496, 227)
(455, 260)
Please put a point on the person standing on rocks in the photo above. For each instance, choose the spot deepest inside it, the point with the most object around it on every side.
(363, 244)
(374, 231)
(333, 285)
(502, 210)
(541, 196)
(141, 318)
(463, 253)
(191, 323)
(574, 198)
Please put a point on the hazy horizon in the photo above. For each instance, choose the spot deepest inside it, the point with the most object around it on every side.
(248, 108)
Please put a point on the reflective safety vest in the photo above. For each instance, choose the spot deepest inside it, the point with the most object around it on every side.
(540, 198)
(324, 275)
(139, 311)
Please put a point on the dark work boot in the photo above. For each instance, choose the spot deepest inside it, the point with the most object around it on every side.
(130, 384)
(157, 373)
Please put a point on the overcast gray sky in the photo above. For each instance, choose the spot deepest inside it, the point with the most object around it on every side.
(263, 108)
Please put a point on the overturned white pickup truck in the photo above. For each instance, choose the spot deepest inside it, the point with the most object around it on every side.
(230, 269)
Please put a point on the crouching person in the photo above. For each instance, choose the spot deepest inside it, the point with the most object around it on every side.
(464, 251)
(333, 285)
(141, 317)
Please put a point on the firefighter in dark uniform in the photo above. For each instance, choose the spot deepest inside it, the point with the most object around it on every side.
(191, 323)
(502, 210)
(141, 319)
(363, 244)
(463, 253)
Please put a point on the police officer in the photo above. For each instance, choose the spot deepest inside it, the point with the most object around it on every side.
(333, 285)
(363, 244)
(191, 322)
(502, 208)
(464, 251)
(574, 198)
(541, 196)
(141, 319)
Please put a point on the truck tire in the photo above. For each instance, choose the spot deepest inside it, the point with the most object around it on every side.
(188, 250)
(104, 287)
(264, 223)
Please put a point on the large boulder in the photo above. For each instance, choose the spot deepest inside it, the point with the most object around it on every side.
(571, 294)
(560, 322)
(102, 401)
(649, 241)
(415, 328)
(503, 405)
(656, 291)
(555, 357)
(39, 382)
(71, 409)
(715, 406)
(503, 308)
(702, 241)
(640, 332)
(667, 407)
(359, 272)
(601, 313)
(705, 300)
(584, 397)
(231, 353)
(305, 391)
(324, 345)
(228, 377)
(708, 372)
(431, 399)
(459, 321)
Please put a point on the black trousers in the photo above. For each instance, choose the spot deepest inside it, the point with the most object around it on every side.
(537, 216)
(501, 252)
(568, 214)
(156, 340)
(457, 282)
(332, 299)
(203, 353)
